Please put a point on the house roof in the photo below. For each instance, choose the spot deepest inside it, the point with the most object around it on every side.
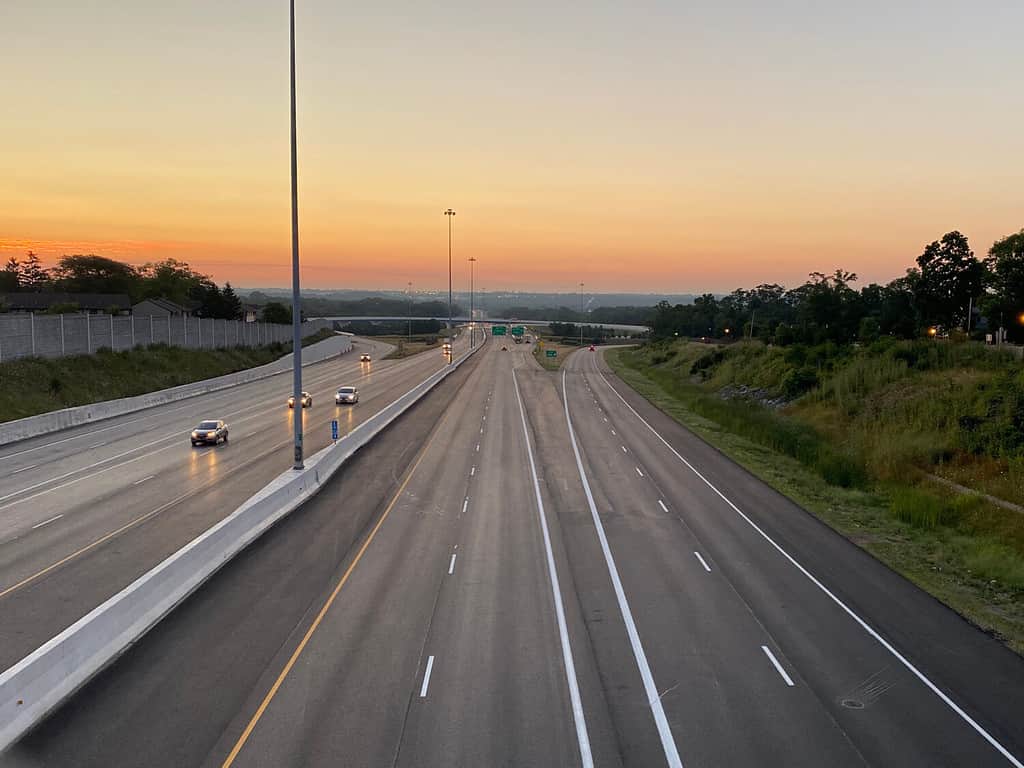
(43, 301)
(165, 304)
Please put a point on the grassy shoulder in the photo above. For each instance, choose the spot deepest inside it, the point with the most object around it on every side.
(562, 351)
(39, 385)
(406, 347)
(964, 551)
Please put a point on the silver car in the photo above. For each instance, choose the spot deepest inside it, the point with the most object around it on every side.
(346, 395)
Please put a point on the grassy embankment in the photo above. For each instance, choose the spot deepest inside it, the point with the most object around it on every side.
(39, 385)
(406, 348)
(855, 440)
(546, 341)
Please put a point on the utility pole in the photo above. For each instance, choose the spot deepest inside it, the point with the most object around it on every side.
(297, 416)
(450, 213)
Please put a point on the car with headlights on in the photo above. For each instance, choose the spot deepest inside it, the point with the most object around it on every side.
(346, 396)
(364, 358)
(307, 400)
(209, 432)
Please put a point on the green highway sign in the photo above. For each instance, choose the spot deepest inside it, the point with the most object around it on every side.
(498, 330)
(552, 353)
(517, 330)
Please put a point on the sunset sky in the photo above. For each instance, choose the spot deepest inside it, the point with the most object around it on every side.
(649, 146)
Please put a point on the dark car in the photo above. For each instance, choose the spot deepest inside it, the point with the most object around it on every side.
(209, 432)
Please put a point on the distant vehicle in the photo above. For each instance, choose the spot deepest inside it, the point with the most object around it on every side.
(209, 432)
(346, 395)
(504, 348)
(364, 358)
(307, 400)
(591, 347)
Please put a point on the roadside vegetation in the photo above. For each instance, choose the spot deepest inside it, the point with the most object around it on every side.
(406, 347)
(858, 435)
(39, 385)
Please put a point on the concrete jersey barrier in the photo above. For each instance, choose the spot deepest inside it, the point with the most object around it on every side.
(47, 677)
(54, 421)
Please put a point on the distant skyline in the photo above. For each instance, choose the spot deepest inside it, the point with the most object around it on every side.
(649, 147)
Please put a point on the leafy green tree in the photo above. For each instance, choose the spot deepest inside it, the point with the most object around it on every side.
(1005, 302)
(10, 276)
(173, 280)
(232, 305)
(276, 312)
(96, 274)
(949, 278)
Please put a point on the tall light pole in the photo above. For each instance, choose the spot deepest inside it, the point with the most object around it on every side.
(581, 314)
(450, 213)
(472, 318)
(296, 301)
(410, 311)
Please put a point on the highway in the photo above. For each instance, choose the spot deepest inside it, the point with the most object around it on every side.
(85, 511)
(541, 569)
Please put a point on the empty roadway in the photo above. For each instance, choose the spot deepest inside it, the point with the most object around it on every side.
(408, 615)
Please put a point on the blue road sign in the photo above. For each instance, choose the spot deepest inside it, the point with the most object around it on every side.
(334, 429)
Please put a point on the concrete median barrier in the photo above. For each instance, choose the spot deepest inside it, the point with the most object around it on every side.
(44, 679)
(45, 423)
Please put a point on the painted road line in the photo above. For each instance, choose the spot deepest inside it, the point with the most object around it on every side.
(662, 505)
(472, 471)
(465, 504)
(140, 482)
(624, 449)
(778, 667)
(582, 737)
(702, 562)
(96, 445)
(426, 677)
(25, 469)
(843, 606)
(478, 447)
(668, 743)
(47, 522)
(233, 755)
(451, 565)
(638, 471)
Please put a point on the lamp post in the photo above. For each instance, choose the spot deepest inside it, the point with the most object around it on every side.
(296, 301)
(581, 314)
(449, 213)
(472, 317)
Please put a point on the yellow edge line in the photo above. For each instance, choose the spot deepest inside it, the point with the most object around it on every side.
(323, 611)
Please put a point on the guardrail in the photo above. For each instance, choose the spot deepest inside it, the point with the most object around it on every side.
(48, 676)
(54, 421)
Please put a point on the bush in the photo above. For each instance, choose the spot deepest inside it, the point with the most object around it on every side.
(922, 509)
(798, 381)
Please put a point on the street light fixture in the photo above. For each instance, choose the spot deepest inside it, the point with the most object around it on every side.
(449, 213)
(472, 317)
(297, 416)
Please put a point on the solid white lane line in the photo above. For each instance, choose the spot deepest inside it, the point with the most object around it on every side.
(778, 667)
(582, 737)
(465, 504)
(426, 677)
(662, 505)
(845, 608)
(140, 482)
(46, 522)
(702, 562)
(638, 471)
(472, 471)
(25, 469)
(668, 743)
(451, 566)
(97, 445)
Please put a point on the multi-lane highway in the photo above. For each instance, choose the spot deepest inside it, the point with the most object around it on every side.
(85, 511)
(541, 569)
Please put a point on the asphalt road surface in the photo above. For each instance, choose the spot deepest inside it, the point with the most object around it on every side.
(487, 585)
(85, 511)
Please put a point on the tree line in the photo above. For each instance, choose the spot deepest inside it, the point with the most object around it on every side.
(169, 279)
(950, 291)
